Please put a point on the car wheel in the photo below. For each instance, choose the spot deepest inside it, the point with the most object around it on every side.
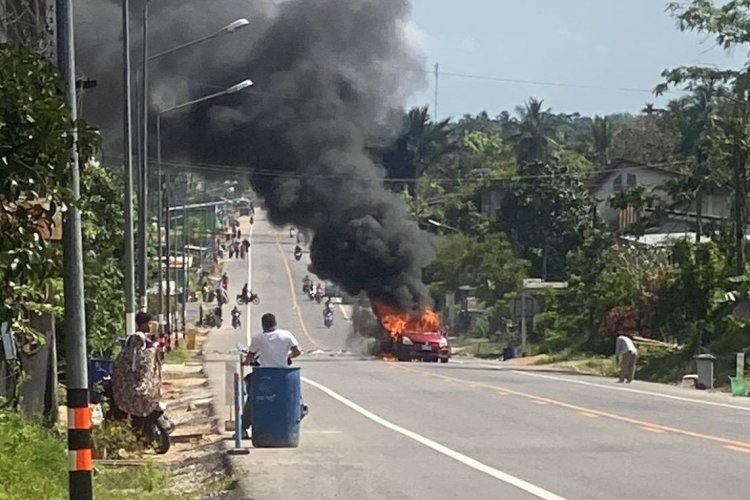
(444, 360)
(403, 357)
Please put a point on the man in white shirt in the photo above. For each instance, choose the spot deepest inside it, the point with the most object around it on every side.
(274, 348)
(627, 354)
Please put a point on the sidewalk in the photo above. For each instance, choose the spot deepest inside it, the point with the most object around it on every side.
(220, 348)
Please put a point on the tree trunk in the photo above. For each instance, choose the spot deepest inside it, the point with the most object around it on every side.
(739, 178)
(698, 215)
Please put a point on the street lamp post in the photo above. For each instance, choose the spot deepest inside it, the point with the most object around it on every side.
(231, 90)
(143, 173)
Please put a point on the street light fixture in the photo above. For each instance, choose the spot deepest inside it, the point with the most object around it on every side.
(143, 170)
(229, 28)
(444, 226)
(230, 90)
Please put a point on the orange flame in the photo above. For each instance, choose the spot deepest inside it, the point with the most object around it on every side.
(396, 323)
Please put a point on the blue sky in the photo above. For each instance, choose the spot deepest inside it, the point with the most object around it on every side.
(608, 44)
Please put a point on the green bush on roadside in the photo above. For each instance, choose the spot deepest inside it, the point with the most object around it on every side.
(33, 460)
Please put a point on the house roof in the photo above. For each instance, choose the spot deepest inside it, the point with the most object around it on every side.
(621, 165)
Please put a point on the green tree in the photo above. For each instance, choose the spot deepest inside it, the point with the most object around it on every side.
(601, 138)
(34, 146)
(726, 23)
(103, 245)
(535, 138)
(419, 146)
(487, 264)
(545, 215)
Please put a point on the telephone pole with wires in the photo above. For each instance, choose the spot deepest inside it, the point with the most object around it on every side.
(437, 78)
(80, 463)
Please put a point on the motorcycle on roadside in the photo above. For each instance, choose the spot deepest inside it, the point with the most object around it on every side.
(154, 428)
(252, 298)
(133, 392)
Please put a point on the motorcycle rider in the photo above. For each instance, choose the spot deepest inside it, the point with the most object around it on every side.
(236, 317)
(245, 295)
(225, 281)
(328, 311)
(306, 283)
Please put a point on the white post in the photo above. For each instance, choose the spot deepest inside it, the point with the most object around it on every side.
(523, 323)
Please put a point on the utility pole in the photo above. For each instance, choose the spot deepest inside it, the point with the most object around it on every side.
(185, 242)
(79, 420)
(437, 77)
(128, 166)
(167, 226)
(159, 223)
(143, 173)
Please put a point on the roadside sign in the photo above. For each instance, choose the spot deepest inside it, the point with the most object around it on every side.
(530, 308)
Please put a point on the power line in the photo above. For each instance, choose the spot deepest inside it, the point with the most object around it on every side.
(534, 82)
(247, 170)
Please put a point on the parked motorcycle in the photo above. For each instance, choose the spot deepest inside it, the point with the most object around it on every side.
(328, 319)
(311, 293)
(319, 296)
(211, 320)
(252, 298)
(154, 428)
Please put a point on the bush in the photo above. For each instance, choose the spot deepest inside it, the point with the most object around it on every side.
(111, 438)
(33, 460)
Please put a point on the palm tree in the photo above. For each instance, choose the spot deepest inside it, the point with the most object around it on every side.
(601, 135)
(420, 145)
(534, 140)
(693, 118)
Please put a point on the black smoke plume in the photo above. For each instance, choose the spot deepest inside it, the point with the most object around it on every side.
(327, 75)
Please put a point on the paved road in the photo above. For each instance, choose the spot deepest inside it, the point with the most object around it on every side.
(473, 429)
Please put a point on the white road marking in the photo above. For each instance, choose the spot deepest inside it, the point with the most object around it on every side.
(248, 334)
(343, 312)
(635, 391)
(459, 457)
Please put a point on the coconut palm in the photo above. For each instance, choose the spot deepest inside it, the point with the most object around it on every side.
(534, 140)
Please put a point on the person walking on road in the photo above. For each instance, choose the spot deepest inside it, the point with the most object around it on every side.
(627, 355)
(273, 348)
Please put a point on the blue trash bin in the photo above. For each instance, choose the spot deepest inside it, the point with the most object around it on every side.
(509, 353)
(276, 407)
(98, 369)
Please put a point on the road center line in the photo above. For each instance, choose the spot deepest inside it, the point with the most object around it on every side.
(635, 391)
(444, 450)
(600, 413)
(294, 294)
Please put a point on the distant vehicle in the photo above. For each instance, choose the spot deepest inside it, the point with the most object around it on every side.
(426, 346)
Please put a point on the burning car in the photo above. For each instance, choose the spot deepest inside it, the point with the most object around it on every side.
(408, 337)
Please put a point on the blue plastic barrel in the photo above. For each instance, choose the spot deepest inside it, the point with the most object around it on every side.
(276, 407)
(98, 369)
(509, 353)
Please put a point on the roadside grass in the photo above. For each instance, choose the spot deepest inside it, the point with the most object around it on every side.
(655, 363)
(33, 460)
(34, 464)
(478, 347)
(178, 356)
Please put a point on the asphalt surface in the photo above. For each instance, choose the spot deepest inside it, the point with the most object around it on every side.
(470, 429)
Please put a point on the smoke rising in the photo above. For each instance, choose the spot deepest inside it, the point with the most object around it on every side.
(328, 74)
